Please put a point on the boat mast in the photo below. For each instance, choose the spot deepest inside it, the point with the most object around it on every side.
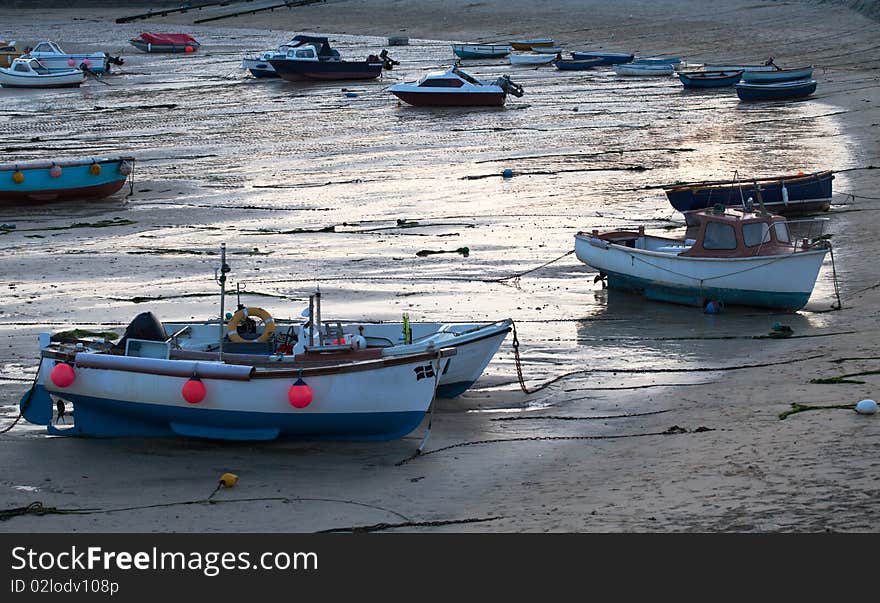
(224, 268)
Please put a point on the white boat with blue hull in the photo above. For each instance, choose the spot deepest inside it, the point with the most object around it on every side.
(51, 55)
(243, 397)
(740, 258)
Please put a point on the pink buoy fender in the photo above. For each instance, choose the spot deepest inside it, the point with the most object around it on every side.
(62, 375)
(55, 171)
(194, 391)
(300, 394)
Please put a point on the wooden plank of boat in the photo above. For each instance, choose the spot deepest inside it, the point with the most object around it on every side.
(775, 90)
(778, 75)
(40, 181)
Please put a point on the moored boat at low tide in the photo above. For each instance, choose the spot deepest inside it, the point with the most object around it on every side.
(742, 258)
(70, 179)
(316, 60)
(608, 58)
(455, 88)
(778, 75)
(775, 90)
(52, 57)
(9, 51)
(531, 43)
(709, 79)
(789, 194)
(165, 43)
(643, 69)
(31, 73)
(577, 65)
(481, 51)
(531, 59)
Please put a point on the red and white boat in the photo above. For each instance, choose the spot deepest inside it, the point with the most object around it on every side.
(455, 88)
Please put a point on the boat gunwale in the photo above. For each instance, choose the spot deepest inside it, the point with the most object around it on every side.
(259, 372)
(746, 182)
(46, 163)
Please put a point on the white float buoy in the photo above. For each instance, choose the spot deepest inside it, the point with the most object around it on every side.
(866, 407)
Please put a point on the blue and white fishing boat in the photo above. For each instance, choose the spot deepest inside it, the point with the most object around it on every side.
(260, 67)
(709, 79)
(742, 258)
(778, 75)
(148, 385)
(481, 51)
(775, 90)
(608, 58)
(789, 194)
(59, 180)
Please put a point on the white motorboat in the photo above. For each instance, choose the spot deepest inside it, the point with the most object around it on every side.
(32, 73)
(52, 57)
(455, 88)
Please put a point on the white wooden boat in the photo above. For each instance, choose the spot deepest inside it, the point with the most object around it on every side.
(641, 69)
(531, 59)
(548, 49)
(481, 51)
(51, 55)
(31, 73)
(742, 258)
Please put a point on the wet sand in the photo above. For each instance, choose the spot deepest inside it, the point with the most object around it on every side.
(654, 428)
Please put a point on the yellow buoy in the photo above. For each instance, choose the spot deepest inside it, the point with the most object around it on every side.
(18, 177)
(95, 169)
(228, 480)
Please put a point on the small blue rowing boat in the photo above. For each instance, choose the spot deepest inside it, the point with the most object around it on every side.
(608, 58)
(578, 65)
(74, 179)
(775, 90)
(709, 79)
(481, 51)
(779, 75)
(657, 61)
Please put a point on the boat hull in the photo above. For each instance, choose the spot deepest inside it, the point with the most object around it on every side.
(607, 58)
(782, 75)
(163, 48)
(533, 43)
(785, 195)
(631, 69)
(75, 182)
(51, 80)
(480, 51)
(296, 71)
(259, 68)
(779, 282)
(540, 59)
(379, 404)
(452, 99)
(775, 91)
(99, 63)
(710, 80)
(578, 65)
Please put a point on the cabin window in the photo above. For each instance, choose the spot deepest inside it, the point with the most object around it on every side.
(304, 54)
(441, 83)
(719, 236)
(21, 67)
(756, 233)
(781, 230)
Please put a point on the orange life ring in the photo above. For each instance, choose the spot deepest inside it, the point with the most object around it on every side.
(244, 314)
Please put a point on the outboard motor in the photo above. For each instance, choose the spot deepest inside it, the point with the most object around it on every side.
(387, 62)
(505, 83)
(144, 326)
